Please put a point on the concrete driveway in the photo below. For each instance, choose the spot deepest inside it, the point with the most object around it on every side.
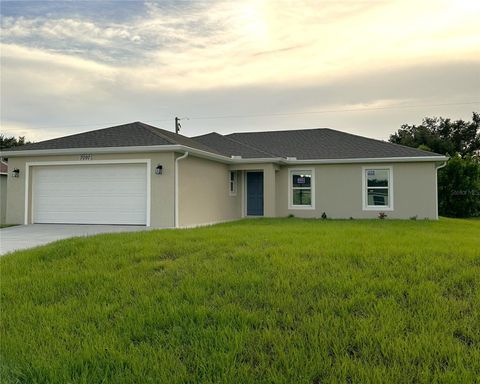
(28, 236)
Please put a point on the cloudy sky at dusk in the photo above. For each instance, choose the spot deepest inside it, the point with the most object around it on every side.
(363, 67)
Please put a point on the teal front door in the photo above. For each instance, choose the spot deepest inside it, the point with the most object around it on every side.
(254, 193)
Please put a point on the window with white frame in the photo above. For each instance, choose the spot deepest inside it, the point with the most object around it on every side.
(233, 183)
(301, 189)
(377, 188)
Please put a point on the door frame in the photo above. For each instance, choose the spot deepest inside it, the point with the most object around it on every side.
(245, 195)
(29, 195)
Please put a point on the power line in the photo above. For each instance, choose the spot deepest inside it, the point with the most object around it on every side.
(328, 111)
(95, 124)
(213, 117)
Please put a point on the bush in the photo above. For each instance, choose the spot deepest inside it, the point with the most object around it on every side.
(459, 188)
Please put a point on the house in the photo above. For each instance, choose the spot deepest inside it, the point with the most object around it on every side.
(3, 191)
(141, 175)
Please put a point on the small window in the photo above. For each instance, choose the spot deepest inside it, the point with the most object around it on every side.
(377, 188)
(233, 183)
(301, 189)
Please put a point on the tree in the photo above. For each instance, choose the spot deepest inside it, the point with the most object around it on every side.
(10, 142)
(459, 188)
(442, 135)
(459, 180)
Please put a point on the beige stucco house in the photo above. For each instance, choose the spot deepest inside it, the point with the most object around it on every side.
(141, 175)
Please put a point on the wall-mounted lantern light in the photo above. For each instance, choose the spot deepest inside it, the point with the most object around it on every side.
(15, 172)
(159, 169)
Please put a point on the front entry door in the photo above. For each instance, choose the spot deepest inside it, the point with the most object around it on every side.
(254, 193)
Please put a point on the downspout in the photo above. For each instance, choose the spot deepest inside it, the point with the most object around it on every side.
(437, 167)
(177, 160)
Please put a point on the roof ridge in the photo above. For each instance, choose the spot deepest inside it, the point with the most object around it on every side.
(281, 130)
(207, 134)
(383, 141)
(158, 132)
(167, 135)
(248, 145)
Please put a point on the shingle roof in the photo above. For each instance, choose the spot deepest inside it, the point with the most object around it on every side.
(324, 143)
(126, 135)
(230, 147)
(303, 144)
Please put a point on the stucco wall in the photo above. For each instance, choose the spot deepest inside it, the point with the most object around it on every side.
(338, 191)
(3, 198)
(162, 186)
(204, 189)
(204, 192)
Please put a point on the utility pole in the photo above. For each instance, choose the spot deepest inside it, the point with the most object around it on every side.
(177, 125)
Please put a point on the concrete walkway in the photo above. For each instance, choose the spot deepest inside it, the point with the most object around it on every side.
(28, 236)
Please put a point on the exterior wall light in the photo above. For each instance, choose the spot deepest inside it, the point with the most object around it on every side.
(15, 172)
(159, 169)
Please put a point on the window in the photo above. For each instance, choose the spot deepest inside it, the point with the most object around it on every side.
(233, 183)
(301, 189)
(377, 189)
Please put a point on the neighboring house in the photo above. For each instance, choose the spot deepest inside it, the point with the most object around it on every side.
(139, 174)
(3, 191)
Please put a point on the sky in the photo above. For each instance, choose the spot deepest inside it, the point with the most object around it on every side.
(364, 67)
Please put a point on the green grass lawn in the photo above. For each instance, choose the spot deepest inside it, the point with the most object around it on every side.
(254, 301)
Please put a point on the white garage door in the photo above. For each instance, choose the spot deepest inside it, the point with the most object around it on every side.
(90, 194)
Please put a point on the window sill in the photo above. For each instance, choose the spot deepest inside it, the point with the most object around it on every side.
(377, 208)
(293, 207)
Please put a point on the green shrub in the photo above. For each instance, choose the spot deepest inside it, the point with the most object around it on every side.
(459, 188)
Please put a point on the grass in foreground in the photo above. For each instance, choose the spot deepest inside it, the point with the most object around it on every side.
(269, 301)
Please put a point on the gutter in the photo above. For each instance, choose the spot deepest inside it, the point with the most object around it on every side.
(437, 167)
(213, 156)
(177, 160)
(367, 160)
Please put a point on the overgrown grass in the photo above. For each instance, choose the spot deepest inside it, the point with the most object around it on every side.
(255, 301)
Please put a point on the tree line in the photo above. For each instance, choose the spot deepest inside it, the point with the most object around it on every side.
(10, 142)
(459, 180)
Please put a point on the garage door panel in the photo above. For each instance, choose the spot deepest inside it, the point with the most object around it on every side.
(90, 194)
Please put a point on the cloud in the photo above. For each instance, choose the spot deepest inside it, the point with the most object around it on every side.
(73, 64)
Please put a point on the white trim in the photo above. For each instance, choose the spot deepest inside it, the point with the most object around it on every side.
(378, 208)
(27, 186)
(32, 208)
(149, 190)
(132, 149)
(436, 187)
(176, 213)
(4, 173)
(87, 162)
(79, 151)
(147, 162)
(244, 194)
(214, 156)
(290, 187)
(234, 182)
(368, 160)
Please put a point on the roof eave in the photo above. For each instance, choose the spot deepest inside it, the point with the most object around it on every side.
(112, 150)
(213, 156)
(405, 159)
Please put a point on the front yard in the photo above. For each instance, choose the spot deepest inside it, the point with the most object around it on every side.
(254, 301)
